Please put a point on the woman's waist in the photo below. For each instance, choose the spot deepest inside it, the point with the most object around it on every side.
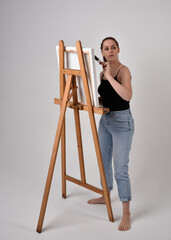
(120, 112)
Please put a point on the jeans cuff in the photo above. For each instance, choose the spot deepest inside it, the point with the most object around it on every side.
(125, 199)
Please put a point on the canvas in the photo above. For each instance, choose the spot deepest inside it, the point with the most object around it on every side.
(71, 62)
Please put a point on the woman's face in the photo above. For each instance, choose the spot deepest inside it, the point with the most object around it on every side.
(110, 50)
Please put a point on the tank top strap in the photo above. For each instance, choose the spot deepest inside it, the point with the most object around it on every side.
(118, 71)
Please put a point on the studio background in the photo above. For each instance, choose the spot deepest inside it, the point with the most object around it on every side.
(30, 31)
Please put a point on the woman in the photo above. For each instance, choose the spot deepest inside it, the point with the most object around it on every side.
(116, 128)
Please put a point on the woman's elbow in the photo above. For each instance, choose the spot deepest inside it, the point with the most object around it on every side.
(129, 97)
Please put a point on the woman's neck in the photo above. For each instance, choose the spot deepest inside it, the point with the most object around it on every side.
(114, 64)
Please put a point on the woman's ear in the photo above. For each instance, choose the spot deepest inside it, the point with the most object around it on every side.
(118, 50)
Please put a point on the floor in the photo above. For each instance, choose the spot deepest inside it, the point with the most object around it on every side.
(73, 218)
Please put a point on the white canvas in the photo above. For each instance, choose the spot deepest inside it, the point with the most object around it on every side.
(71, 62)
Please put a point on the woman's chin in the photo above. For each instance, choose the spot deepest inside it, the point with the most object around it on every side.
(111, 60)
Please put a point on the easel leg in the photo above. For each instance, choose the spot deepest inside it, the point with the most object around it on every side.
(79, 144)
(101, 168)
(63, 160)
(94, 131)
(63, 145)
(78, 133)
(54, 153)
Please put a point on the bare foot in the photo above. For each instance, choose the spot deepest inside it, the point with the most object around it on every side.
(125, 223)
(99, 200)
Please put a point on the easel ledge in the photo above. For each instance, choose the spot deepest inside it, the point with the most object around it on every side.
(80, 106)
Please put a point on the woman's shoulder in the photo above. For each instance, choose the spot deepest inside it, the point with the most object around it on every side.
(123, 70)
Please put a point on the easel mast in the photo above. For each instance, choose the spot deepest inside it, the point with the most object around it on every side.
(65, 96)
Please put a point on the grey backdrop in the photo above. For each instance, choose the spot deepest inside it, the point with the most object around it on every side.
(30, 30)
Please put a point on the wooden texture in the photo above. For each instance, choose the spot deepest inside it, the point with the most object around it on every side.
(71, 71)
(85, 185)
(98, 110)
(64, 102)
(78, 134)
(53, 157)
(94, 130)
(63, 142)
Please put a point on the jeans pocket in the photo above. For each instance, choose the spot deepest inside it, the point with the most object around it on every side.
(119, 123)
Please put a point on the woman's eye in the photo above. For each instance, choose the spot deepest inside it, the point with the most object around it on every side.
(106, 49)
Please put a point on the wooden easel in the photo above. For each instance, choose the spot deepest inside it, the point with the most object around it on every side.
(64, 102)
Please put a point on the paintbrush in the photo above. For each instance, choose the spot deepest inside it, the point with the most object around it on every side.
(98, 60)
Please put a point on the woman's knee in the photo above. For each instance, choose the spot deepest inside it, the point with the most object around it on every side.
(121, 173)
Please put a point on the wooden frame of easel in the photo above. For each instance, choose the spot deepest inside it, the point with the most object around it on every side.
(65, 95)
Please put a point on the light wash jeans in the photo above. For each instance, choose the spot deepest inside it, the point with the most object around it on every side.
(116, 130)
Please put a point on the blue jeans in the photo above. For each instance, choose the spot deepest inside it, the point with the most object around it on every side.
(116, 130)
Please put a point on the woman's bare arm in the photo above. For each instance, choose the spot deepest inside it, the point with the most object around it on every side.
(124, 88)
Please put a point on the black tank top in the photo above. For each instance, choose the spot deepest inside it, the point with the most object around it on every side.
(110, 98)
